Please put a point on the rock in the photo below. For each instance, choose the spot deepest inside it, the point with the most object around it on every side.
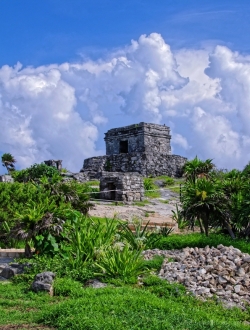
(8, 272)
(96, 284)
(222, 280)
(240, 272)
(202, 271)
(246, 259)
(237, 288)
(43, 282)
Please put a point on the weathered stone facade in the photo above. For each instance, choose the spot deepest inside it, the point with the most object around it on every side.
(144, 163)
(140, 137)
(143, 148)
(126, 187)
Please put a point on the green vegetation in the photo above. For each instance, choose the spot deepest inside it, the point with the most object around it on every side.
(141, 203)
(40, 211)
(216, 199)
(157, 305)
(175, 189)
(35, 213)
(178, 241)
(94, 183)
(150, 188)
(36, 172)
(177, 215)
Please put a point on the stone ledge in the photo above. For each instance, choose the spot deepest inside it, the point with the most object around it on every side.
(11, 253)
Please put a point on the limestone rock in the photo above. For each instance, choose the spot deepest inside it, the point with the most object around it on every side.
(223, 271)
(43, 282)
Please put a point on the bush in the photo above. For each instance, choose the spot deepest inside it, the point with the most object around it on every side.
(168, 181)
(124, 264)
(35, 172)
(27, 207)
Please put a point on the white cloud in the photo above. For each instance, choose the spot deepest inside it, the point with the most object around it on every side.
(56, 111)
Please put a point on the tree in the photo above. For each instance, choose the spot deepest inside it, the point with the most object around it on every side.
(197, 168)
(8, 161)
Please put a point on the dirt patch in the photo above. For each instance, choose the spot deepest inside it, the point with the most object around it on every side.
(24, 327)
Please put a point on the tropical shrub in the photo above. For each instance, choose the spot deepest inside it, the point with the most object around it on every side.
(138, 236)
(168, 181)
(86, 239)
(35, 212)
(122, 263)
(178, 216)
(36, 172)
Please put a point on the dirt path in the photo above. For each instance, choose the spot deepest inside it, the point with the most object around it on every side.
(157, 211)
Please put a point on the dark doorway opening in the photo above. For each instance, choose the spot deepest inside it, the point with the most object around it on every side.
(124, 147)
(112, 191)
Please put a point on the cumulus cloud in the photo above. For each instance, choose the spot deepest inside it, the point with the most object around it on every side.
(60, 111)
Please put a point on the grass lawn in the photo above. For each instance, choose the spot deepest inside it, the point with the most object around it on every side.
(152, 307)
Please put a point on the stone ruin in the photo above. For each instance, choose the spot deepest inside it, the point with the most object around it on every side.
(143, 148)
(55, 163)
(126, 187)
(6, 178)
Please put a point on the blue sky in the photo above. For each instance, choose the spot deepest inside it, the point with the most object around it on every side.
(62, 111)
(45, 31)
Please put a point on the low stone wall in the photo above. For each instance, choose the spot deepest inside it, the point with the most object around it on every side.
(126, 187)
(147, 164)
(11, 253)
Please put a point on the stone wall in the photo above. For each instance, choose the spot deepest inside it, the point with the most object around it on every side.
(126, 187)
(147, 164)
(142, 137)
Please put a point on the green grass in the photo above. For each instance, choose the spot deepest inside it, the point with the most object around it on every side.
(118, 203)
(141, 203)
(178, 241)
(153, 194)
(175, 189)
(94, 183)
(158, 305)
(166, 201)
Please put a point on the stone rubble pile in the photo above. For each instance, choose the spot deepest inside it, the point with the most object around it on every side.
(222, 271)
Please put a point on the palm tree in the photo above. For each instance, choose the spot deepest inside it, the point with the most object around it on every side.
(8, 161)
(197, 168)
